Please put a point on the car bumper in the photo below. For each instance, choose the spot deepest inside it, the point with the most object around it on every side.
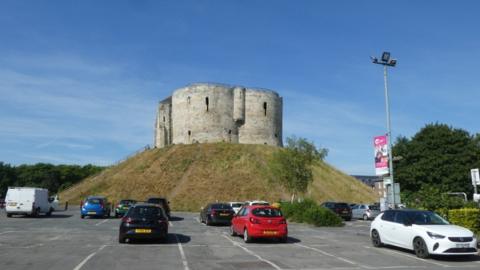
(272, 232)
(447, 247)
(94, 213)
(154, 234)
(221, 220)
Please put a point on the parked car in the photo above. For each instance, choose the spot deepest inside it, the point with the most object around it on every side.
(27, 201)
(163, 202)
(259, 221)
(256, 202)
(123, 206)
(340, 208)
(95, 206)
(365, 211)
(236, 206)
(144, 221)
(424, 232)
(216, 213)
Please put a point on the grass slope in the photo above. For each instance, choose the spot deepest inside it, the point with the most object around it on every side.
(192, 175)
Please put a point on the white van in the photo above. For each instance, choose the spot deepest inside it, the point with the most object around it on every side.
(27, 201)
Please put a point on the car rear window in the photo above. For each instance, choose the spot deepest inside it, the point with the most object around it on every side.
(373, 207)
(95, 201)
(157, 201)
(127, 202)
(267, 212)
(145, 211)
(342, 205)
(221, 206)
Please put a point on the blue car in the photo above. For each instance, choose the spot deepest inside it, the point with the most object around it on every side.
(95, 206)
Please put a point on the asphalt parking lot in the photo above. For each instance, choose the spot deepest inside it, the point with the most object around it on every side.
(64, 241)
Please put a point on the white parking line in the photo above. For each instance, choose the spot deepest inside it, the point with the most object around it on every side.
(184, 258)
(101, 222)
(80, 265)
(252, 253)
(8, 232)
(327, 254)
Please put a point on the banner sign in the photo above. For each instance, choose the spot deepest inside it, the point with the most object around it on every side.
(475, 177)
(381, 155)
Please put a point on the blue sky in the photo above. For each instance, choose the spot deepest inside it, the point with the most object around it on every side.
(80, 80)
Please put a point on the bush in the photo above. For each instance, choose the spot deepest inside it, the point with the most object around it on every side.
(308, 211)
(466, 217)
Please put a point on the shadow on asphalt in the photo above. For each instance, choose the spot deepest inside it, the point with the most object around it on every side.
(261, 241)
(172, 238)
(42, 216)
(445, 258)
(172, 218)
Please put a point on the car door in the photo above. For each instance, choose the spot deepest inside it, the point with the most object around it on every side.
(386, 226)
(237, 220)
(354, 211)
(402, 235)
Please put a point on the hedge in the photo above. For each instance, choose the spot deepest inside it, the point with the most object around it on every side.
(466, 217)
(310, 212)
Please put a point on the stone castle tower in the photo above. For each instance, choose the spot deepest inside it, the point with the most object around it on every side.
(214, 113)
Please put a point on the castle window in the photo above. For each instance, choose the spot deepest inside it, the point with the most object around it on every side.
(229, 131)
(164, 119)
(276, 135)
(189, 133)
(265, 108)
(188, 100)
(206, 102)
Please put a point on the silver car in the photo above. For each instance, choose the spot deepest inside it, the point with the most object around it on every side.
(365, 211)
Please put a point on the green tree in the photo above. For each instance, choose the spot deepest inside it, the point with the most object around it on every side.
(291, 166)
(438, 155)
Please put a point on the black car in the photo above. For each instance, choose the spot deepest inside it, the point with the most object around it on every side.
(163, 202)
(341, 209)
(217, 213)
(144, 221)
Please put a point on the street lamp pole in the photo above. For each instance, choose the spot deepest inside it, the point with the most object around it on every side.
(387, 62)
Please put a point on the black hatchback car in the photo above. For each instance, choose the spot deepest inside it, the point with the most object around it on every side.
(144, 221)
(217, 213)
(341, 209)
(163, 202)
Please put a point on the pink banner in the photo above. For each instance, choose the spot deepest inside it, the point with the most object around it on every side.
(381, 155)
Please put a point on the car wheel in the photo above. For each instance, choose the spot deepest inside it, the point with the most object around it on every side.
(82, 216)
(208, 222)
(365, 217)
(232, 231)
(49, 213)
(246, 236)
(121, 240)
(36, 212)
(9, 215)
(420, 248)
(376, 241)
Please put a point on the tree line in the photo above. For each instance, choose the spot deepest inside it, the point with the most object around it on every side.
(52, 177)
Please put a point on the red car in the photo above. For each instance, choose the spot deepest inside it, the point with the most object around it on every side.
(259, 221)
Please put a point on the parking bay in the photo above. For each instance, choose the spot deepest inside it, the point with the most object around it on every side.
(64, 241)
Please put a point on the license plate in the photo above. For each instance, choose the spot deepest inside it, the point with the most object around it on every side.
(345, 212)
(143, 230)
(92, 213)
(462, 245)
(224, 215)
(12, 204)
(269, 232)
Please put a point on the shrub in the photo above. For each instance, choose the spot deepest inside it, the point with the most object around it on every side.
(466, 217)
(308, 211)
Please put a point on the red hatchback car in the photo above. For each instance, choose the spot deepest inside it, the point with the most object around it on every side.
(259, 221)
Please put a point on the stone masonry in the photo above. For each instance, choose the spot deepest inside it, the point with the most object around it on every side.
(203, 113)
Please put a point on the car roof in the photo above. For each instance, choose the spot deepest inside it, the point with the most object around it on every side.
(95, 197)
(146, 204)
(157, 198)
(409, 210)
(259, 206)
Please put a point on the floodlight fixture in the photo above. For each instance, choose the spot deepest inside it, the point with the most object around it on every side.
(392, 62)
(385, 57)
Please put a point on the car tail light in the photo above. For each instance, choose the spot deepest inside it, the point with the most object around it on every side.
(213, 212)
(254, 220)
(283, 221)
(127, 220)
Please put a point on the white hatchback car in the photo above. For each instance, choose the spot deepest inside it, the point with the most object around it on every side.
(424, 232)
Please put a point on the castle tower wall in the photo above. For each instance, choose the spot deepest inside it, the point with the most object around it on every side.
(202, 113)
(263, 118)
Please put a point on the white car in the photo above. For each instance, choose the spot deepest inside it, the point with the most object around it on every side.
(424, 232)
(236, 206)
(256, 202)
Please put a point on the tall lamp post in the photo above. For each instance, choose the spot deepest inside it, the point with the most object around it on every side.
(386, 61)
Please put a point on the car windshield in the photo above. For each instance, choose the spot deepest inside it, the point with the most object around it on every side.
(373, 207)
(94, 201)
(221, 206)
(156, 201)
(426, 218)
(260, 203)
(342, 205)
(266, 212)
(145, 211)
(127, 202)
